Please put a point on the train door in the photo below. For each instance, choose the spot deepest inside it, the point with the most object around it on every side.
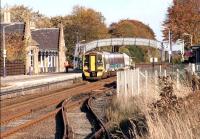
(92, 62)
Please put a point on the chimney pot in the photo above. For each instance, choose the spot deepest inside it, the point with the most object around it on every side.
(32, 25)
(6, 16)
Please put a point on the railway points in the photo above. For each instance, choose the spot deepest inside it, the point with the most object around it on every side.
(91, 115)
(25, 115)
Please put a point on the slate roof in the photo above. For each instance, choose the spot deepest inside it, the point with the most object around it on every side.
(48, 38)
(34, 43)
(45, 38)
(17, 27)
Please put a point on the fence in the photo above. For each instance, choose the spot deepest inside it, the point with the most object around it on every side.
(13, 68)
(197, 67)
(135, 82)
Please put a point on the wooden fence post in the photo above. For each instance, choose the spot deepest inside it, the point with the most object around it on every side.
(146, 82)
(177, 79)
(160, 70)
(132, 77)
(118, 83)
(156, 79)
(165, 73)
(138, 80)
(125, 84)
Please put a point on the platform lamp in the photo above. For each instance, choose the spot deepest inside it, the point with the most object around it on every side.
(83, 50)
(4, 49)
(169, 43)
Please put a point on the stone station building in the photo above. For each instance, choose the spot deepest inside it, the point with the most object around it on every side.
(45, 49)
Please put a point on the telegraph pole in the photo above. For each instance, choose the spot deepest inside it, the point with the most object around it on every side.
(170, 45)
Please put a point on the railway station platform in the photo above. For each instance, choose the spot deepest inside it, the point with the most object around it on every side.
(12, 86)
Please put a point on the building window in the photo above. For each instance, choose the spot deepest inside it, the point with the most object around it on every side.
(31, 58)
(31, 61)
(49, 61)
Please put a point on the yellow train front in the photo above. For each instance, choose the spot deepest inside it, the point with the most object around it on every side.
(98, 65)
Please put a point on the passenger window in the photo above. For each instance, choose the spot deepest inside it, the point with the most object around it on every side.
(86, 62)
(99, 60)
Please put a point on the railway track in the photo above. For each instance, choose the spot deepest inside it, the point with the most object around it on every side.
(98, 106)
(25, 114)
(88, 121)
(20, 99)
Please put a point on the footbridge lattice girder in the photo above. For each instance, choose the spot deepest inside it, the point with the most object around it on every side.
(82, 48)
(121, 41)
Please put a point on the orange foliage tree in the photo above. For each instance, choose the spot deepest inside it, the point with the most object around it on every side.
(83, 24)
(131, 28)
(20, 13)
(183, 17)
(15, 47)
(134, 28)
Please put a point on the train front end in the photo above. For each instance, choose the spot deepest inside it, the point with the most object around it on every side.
(92, 66)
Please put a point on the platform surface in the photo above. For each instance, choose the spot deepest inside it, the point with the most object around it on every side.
(10, 83)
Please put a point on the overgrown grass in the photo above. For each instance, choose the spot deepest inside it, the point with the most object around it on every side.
(177, 121)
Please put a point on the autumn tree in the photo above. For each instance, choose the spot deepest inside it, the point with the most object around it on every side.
(83, 24)
(15, 47)
(20, 13)
(56, 20)
(43, 22)
(133, 28)
(183, 17)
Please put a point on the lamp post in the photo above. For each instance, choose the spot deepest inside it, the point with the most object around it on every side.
(82, 52)
(4, 49)
(170, 41)
(170, 45)
(83, 49)
(191, 37)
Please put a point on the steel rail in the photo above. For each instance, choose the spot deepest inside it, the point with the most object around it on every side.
(28, 111)
(54, 102)
(41, 118)
(68, 130)
(103, 126)
(29, 123)
(49, 114)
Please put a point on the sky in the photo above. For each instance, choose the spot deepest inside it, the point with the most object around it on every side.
(150, 12)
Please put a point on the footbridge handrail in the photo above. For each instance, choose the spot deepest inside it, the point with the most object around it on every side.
(122, 41)
(85, 47)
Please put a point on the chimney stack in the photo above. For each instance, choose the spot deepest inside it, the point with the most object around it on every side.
(27, 33)
(6, 16)
(32, 25)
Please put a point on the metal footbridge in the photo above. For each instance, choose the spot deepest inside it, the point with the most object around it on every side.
(81, 48)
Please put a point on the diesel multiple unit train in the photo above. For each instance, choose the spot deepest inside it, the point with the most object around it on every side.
(98, 65)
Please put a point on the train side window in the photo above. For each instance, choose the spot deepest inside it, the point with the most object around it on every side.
(99, 60)
(86, 62)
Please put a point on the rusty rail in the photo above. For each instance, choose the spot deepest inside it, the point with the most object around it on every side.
(54, 100)
(103, 126)
(30, 123)
(68, 131)
(49, 114)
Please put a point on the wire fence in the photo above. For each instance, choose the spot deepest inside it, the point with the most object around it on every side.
(143, 81)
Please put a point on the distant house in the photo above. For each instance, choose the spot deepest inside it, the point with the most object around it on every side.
(45, 51)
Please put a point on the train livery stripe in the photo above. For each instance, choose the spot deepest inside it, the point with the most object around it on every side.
(92, 62)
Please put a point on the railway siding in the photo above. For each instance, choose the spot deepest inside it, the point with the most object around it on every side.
(88, 120)
(21, 116)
